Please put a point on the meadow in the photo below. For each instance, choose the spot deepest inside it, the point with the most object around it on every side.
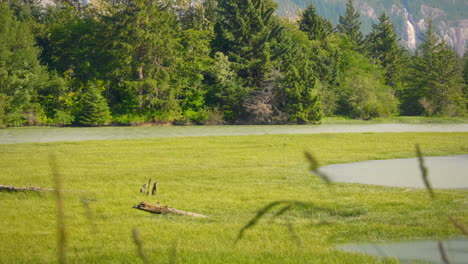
(227, 178)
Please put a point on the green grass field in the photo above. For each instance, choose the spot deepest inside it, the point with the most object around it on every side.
(227, 178)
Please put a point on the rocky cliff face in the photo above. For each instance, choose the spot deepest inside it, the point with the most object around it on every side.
(410, 17)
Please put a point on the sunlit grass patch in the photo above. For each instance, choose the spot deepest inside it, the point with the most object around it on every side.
(228, 179)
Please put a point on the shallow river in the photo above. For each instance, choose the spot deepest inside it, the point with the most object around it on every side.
(443, 172)
(48, 134)
(414, 251)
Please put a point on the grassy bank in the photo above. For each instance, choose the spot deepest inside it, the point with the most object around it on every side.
(226, 178)
(327, 120)
(397, 119)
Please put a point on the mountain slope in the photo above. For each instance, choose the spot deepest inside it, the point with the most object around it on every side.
(409, 16)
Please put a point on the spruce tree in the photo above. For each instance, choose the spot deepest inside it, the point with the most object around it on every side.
(316, 27)
(248, 33)
(435, 80)
(21, 75)
(382, 46)
(94, 109)
(350, 25)
(252, 38)
(299, 97)
(143, 37)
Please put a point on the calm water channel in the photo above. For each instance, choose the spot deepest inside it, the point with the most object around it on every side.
(443, 172)
(48, 134)
(412, 251)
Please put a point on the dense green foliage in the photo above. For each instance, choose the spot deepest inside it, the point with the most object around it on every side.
(211, 62)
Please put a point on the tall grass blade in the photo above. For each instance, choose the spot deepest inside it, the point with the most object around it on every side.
(312, 161)
(459, 225)
(314, 168)
(257, 217)
(61, 230)
(288, 205)
(424, 174)
(282, 211)
(443, 253)
(293, 233)
(139, 245)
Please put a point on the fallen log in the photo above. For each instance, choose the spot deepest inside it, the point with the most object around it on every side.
(8, 188)
(163, 209)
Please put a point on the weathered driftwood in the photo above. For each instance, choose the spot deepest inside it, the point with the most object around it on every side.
(163, 209)
(149, 186)
(8, 188)
(143, 189)
(155, 188)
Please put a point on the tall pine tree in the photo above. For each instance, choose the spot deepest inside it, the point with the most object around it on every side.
(382, 46)
(251, 36)
(350, 25)
(248, 33)
(93, 106)
(435, 80)
(143, 37)
(21, 75)
(316, 27)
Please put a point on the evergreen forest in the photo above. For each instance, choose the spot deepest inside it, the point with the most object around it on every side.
(130, 62)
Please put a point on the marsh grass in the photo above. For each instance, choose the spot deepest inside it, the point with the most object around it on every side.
(228, 178)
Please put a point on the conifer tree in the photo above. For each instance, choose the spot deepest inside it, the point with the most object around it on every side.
(382, 46)
(350, 25)
(94, 109)
(316, 27)
(435, 80)
(299, 98)
(248, 33)
(21, 75)
(144, 40)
